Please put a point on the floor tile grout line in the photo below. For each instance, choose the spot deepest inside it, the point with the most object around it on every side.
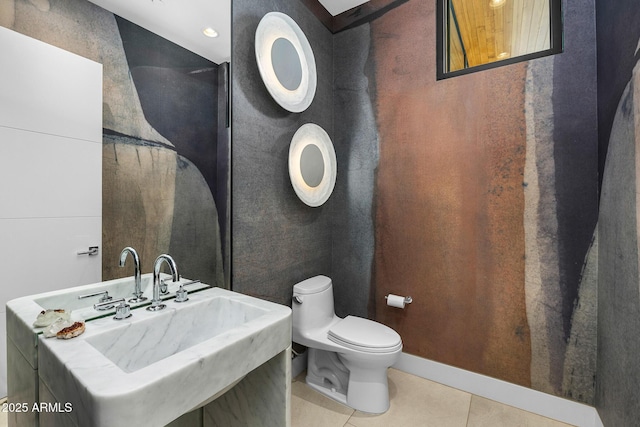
(349, 419)
(469, 410)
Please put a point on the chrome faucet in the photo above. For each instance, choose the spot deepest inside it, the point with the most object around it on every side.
(137, 293)
(156, 303)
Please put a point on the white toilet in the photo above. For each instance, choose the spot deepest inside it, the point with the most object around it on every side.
(347, 358)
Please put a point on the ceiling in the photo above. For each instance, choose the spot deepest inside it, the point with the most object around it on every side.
(351, 16)
(336, 7)
(182, 21)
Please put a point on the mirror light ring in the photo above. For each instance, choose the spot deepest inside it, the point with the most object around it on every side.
(275, 25)
(311, 133)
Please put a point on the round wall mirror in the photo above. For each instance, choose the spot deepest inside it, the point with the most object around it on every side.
(286, 62)
(312, 164)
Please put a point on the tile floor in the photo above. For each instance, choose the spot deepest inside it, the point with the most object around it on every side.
(415, 402)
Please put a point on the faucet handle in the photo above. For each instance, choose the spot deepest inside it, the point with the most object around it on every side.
(123, 310)
(182, 294)
(164, 288)
(105, 299)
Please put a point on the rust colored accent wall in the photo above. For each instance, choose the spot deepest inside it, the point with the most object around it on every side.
(450, 203)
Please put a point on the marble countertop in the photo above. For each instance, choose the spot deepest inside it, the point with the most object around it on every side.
(112, 375)
(22, 312)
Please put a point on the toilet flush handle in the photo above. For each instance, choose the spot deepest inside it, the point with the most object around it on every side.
(297, 299)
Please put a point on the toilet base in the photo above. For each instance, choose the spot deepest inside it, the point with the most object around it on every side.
(364, 388)
(368, 390)
(363, 398)
(333, 394)
(326, 371)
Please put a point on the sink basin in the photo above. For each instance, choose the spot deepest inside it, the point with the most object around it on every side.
(22, 312)
(172, 331)
(155, 366)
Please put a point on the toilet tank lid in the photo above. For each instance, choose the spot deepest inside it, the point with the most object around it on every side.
(312, 285)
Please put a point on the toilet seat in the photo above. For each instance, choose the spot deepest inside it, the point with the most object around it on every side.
(364, 335)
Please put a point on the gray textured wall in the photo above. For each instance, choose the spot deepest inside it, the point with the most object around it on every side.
(618, 371)
(356, 143)
(277, 240)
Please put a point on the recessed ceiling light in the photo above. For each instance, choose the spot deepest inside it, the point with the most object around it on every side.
(210, 32)
(496, 3)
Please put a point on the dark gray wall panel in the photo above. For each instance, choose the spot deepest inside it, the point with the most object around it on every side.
(277, 240)
(618, 371)
(356, 143)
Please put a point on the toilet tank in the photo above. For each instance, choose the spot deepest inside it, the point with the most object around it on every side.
(312, 304)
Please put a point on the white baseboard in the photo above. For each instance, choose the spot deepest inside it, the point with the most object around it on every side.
(557, 408)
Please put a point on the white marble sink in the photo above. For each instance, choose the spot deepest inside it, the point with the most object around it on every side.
(22, 312)
(22, 347)
(155, 366)
(171, 331)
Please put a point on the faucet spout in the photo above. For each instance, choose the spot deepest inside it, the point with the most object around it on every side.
(137, 293)
(156, 303)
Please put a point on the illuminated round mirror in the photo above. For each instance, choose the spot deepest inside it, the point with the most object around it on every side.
(286, 62)
(312, 164)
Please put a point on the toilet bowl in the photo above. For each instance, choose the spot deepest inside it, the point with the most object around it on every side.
(348, 358)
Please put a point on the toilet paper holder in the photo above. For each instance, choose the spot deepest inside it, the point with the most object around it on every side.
(407, 300)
